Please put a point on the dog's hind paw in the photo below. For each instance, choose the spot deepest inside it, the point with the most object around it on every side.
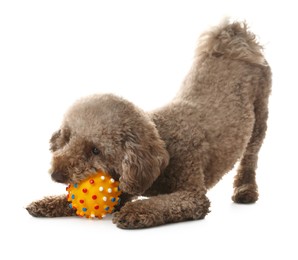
(245, 194)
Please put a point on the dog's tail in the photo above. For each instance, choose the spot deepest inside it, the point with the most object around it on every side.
(231, 40)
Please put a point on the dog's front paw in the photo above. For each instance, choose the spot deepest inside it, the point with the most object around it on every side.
(35, 209)
(53, 206)
(135, 215)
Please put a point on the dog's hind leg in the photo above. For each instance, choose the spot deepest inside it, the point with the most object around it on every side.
(245, 186)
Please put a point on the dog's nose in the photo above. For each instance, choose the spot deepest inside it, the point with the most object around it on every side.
(59, 177)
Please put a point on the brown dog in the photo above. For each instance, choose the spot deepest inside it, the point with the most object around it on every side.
(172, 155)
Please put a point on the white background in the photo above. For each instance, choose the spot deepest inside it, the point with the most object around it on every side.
(53, 52)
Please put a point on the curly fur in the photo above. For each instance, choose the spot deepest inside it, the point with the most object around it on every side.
(174, 154)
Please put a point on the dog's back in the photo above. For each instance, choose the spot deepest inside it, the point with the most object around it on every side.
(211, 121)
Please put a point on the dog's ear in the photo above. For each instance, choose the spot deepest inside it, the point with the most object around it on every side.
(144, 160)
(59, 139)
(54, 141)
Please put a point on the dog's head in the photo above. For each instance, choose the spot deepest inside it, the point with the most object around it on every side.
(105, 132)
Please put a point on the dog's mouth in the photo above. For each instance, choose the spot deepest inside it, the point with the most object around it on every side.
(114, 174)
(62, 177)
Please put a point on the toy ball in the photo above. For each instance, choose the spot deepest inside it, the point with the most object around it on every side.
(95, 196)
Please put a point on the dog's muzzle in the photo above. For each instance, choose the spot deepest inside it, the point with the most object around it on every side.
(59, 177)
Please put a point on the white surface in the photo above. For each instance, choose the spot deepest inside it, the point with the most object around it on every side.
(53, 52)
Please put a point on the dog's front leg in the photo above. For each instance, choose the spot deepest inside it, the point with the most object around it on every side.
(162, 209)
(52, 206)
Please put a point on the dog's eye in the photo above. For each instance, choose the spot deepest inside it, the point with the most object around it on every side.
(95, 151)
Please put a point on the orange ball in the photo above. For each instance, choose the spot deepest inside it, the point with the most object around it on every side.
(94, 197)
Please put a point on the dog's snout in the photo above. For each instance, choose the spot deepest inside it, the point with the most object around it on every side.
(59, 177)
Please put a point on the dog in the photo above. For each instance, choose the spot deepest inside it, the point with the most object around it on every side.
(175, 154)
